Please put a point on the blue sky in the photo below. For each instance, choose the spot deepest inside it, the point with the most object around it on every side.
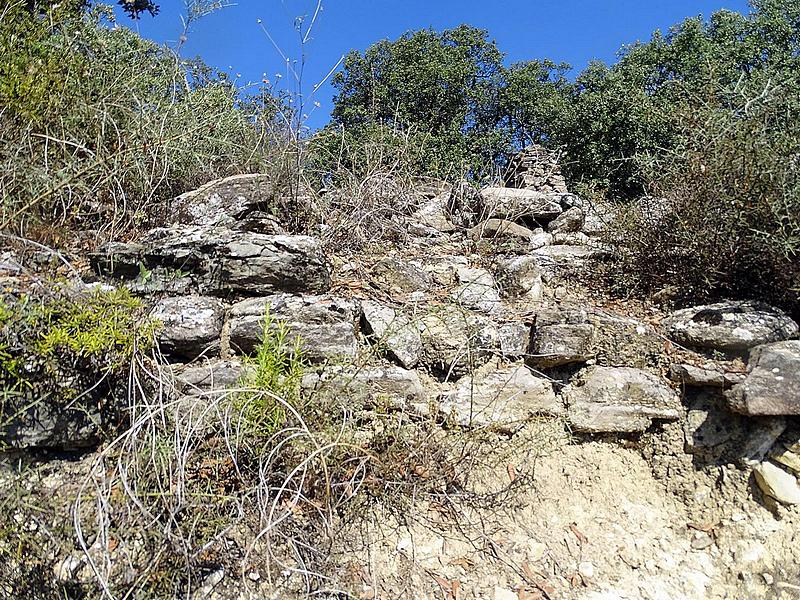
(575, 31)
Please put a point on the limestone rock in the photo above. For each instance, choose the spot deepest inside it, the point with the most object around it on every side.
(246, 202)
(477, 289)
(190, 325)
(362, 385)
(217, 261)
(499, 228)
(772, 385)
(514, 339)
(618, 399)
(535, 168)
(502, 400)
(214, 375)
(777, 483)
(398, 275)
(520, 276)
(692, 375)
(324, 324)
(598, 217)
(732, 326)
(561, 344)
(571, 220)
(564, 259)
(788, 459)
(433, 213)
(393, 331)
(513, 204)
(456, 341)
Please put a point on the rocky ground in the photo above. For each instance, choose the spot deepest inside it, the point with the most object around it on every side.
(626, 450)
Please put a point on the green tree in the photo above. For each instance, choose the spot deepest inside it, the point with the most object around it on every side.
(443, 87)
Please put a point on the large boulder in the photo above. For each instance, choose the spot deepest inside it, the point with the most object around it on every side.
(218, 261)
(502, 400)
(772, 384)
(326, 325)
(190, 325)
(514, 204)
(732, 326)
(618, 399)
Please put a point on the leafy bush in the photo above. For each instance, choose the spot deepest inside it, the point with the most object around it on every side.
(100, 126)
(729, 221)
(271, 381)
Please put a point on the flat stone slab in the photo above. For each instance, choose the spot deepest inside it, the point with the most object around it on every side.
(733, 326)
(502, 400)
(214, 375)
(772, 384)
(237, 202)
(326, 325)
(562, 344)
(190, 325)
(393, 385)
(516, 203)
(216, 261)
(618, 399)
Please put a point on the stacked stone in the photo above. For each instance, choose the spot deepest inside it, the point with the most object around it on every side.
(536, 168)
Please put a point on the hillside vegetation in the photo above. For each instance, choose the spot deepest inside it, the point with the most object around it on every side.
(100, 127)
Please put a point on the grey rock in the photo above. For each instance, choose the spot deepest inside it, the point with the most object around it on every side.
(772, 384)
(760, 438)
(324, 324)
(190, 325)
(513, 204)
(214, 375)
(362, 385)
(557, 345)
(433, 213)
(514, 339)
(598, 217)
(502, 400)
(500, 228)
(520, 276)
(618, 399)
(535, 168)
(214, 260)
(575, 238)
(565, 259)
(571, 220)
(398, 275)
(692, 375)
(777, 483)
(732, 326)
(42, 423)
(477, 289)
(238, 202)
(393, 331)
(456, 341)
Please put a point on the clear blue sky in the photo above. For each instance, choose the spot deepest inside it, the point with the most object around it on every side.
(575, 31)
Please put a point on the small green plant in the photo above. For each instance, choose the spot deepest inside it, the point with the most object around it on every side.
(274, 371)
